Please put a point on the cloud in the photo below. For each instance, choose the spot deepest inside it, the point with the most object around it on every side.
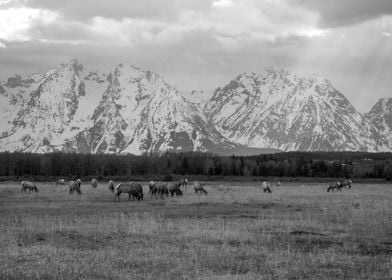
(127, 32)
(118, 9)
(222, 3)
(231, 28)
(4, 2)
(335, 13)
(205, 43)
(16, 22)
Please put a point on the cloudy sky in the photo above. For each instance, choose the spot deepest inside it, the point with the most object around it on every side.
(202, 44)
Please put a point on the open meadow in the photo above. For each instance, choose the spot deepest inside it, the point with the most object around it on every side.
(235, 232)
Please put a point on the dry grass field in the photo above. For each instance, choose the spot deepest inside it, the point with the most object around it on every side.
(236, 232)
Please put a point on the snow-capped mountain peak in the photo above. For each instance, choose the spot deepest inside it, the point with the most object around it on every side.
(73, 108)
(49, 111)
(139, 112)
(278, 109)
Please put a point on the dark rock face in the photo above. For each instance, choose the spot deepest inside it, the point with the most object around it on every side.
(13, 82)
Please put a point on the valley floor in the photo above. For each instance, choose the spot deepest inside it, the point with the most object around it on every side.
(235, 232)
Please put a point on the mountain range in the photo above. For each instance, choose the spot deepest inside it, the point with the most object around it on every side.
(72, 108)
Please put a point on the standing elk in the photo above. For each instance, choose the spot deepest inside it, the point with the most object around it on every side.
(74, 186)
(267, 187)
(28, 185)
(94, 183)
(134, 190)
(183, 182)
(159, 190)
(199, 188)
(174, 188)
(111, 186)
(152, 189)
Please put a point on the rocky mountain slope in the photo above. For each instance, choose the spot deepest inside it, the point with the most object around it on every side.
(281, 110)
(139, 112)
(381, 117)
(78, 110)
(75, 109)
(53, 107)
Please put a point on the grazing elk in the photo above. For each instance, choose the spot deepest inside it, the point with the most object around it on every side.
(137, 193)
(74, 186)
(134, 190)
(28, 185)
(346, 183)
(174, 188)
(160, 189)
(94, 183)
(334, 186)
(267, 187)
(60, 182)
(199, 188)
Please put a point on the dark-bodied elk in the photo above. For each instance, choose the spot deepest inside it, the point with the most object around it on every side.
(28, 185)
(199, 188)
(134, 190)
(74, 186)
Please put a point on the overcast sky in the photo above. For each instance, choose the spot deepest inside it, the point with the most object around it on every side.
(202, 44)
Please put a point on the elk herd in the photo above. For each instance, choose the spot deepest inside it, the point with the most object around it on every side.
(160, 189)
(133, 189)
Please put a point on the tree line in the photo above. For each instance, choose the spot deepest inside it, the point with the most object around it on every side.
(293, 164)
